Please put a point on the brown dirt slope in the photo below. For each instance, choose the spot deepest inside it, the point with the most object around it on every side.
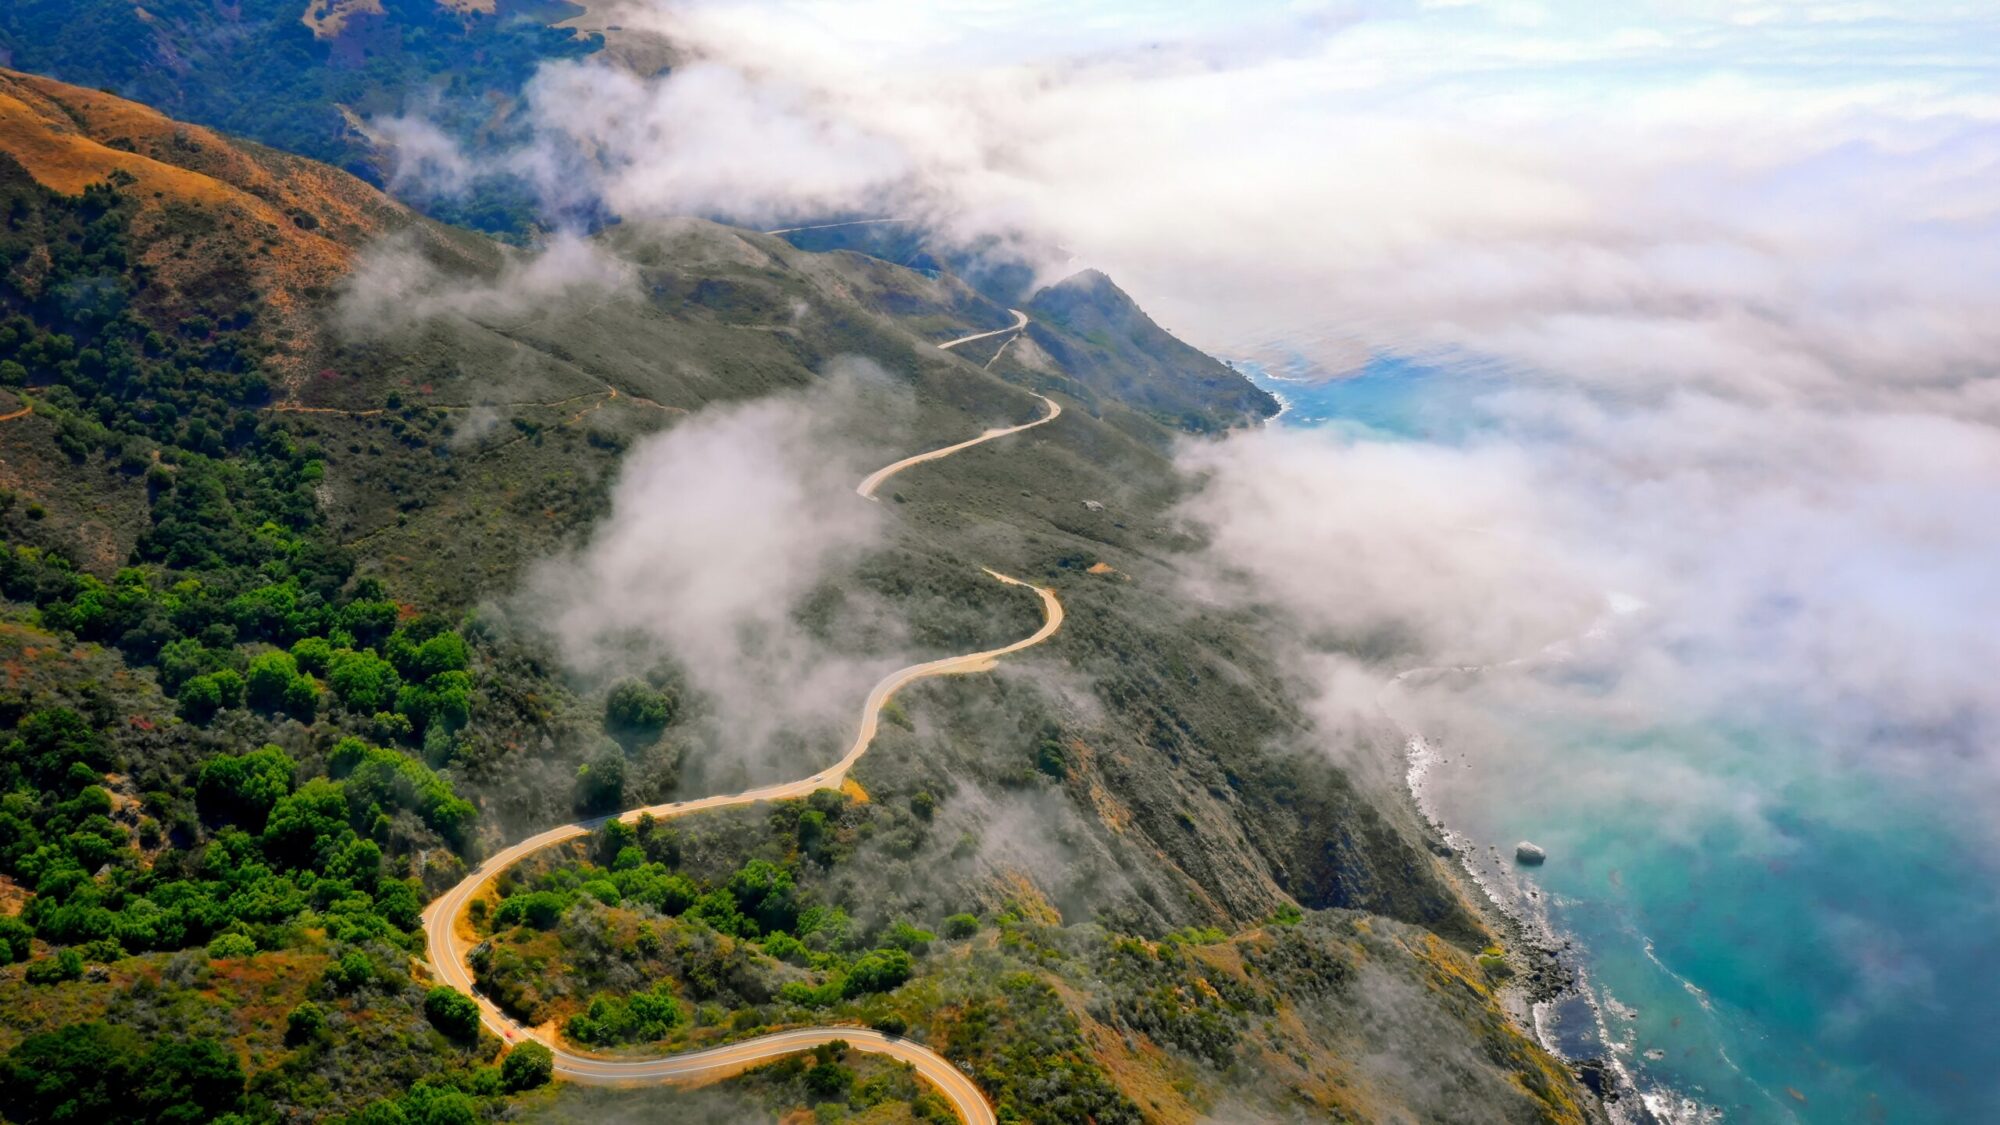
(217, 213)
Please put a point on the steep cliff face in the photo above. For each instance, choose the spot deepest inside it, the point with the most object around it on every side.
(1098, 334)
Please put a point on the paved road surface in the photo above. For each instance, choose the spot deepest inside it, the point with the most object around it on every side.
(830, 226)
(1020, 322)
(874, 481)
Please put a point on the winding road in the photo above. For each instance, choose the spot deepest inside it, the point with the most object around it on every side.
(874, 480)
(1020, 322)
(831, 226)
(447, 947)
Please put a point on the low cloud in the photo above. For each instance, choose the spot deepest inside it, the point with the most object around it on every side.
(719, 530)
(1626, 200)
(707, 140)
(1416, 549)
(395, 287)
(426, 160)
(1815, 569)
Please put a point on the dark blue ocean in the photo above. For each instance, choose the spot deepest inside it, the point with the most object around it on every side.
(1815, 940)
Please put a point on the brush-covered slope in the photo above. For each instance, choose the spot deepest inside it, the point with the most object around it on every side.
(274, 678)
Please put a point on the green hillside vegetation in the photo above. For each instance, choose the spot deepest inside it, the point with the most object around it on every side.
(267, 697)
(663, 938)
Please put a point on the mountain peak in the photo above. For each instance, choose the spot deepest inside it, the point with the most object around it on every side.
(1110, 342)
(1088, 279)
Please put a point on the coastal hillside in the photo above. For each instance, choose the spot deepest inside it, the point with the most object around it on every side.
(302, 495)
(1093, 330)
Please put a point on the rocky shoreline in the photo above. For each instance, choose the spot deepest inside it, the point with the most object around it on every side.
(1545, 988)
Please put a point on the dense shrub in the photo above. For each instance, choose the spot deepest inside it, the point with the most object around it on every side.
(878, 971)
(539, 909)
(96, 1072)
(635, 710)
(527, 1066)
(452, 1012)
(640, 1018)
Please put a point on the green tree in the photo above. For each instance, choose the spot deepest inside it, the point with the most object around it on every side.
(81, 1073)
(183, 659)
(446, 652)
(308, 824)
(269, 680)
(600, 784)
(95, 1072)
(55, 738)
(231, 945)
(452, 1012)
(304, 1022)
(764, 892)
(244, 787)
(65, 964)
(445, 699)
(301, 700)
(16, 940)
(313, 655)
(353, 972)
(204, 695)
(877, 971)
(829, 1081)
(189, 1082)
(539, 909)
(634, 710)
(362, 681)
(527, 1066)
(904, 936)
(384, 777)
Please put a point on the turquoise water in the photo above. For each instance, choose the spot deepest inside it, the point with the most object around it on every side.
(1799, 936)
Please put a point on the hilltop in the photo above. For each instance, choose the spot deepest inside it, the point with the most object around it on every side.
(291, 457)
(220, 224)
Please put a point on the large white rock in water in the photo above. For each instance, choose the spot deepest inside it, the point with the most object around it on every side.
(1527, 853)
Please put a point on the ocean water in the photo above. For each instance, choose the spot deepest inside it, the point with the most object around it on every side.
(1810, 938)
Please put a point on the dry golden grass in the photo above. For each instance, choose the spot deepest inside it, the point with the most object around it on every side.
(1165, 1088)
(1026, 897)
(33, 131)
(288, 227)
(13, 896)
